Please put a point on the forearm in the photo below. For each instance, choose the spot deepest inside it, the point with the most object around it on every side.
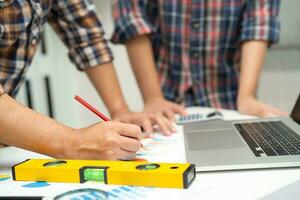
(252, 59)
(105, 81)
(142, 61)
(24, 128)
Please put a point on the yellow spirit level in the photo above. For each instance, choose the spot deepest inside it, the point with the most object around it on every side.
(169, 175)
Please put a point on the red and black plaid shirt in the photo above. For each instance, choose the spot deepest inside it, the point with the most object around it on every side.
(196, 43)
(21, 24)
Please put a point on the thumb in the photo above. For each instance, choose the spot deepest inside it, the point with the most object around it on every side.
(270, 114)
(179, 109)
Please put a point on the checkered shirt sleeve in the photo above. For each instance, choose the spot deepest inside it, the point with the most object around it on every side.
(78, 25)
(260, 20)
(130, 20)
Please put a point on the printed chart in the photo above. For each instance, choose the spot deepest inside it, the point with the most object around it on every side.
(160, 148)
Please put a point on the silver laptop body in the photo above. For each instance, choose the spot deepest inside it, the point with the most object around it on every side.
(246, 144)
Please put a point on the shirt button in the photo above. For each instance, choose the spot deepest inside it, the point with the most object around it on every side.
(195, 54)
(38, 8)
(179, 100)
(1, 29)
(196, 25)
(33, 41)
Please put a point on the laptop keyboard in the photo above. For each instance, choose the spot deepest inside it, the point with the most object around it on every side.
(271, 138)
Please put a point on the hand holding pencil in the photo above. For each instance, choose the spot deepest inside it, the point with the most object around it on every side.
(115, 140)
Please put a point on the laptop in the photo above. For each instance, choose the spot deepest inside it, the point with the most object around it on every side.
(219, 145)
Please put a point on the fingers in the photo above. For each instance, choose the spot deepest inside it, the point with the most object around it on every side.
(121, 147)
(270, 111)
(146, 121)
(282, 113)
(179, 109)
(119, 154)
(173, 109)
(165, 107)
(169, 114)
(255, 107)
(163, 123)
(129, 144)
(265, 110)
(125, 155)
(139, 119)
(278, 112)
(146, 125)
(129, 130)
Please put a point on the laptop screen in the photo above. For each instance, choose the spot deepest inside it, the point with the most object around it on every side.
(296, 111)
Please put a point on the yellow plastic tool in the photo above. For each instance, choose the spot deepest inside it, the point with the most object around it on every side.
(169, 175)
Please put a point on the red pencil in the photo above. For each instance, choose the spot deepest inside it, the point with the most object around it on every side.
(91, 108)
(94, 110)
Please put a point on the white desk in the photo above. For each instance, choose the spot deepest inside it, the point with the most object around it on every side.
(260, 184)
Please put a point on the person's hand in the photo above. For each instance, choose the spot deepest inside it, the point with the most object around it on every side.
(103, 141)
(252, 106)
(164, 107)
(146, 121)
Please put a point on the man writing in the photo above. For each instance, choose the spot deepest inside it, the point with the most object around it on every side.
(21, 22)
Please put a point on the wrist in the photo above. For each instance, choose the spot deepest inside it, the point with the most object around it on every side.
(242, 96)
(157, 97)
(118, 109)
(244, 100)
(63, 148)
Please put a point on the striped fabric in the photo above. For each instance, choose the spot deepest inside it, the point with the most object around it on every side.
(197, 43)
(21, 24)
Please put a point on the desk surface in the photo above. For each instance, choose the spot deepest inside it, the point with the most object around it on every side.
(254, 184)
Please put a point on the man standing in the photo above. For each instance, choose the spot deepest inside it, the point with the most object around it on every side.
(206, 52)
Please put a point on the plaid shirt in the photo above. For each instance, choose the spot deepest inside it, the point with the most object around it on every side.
(21, 24)
(197, 43)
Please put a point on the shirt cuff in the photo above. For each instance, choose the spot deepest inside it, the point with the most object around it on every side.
(90, 55)
(129, 27)
(268, 31)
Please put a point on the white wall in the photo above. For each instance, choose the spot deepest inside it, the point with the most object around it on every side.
(280, 79)
(290, 18)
